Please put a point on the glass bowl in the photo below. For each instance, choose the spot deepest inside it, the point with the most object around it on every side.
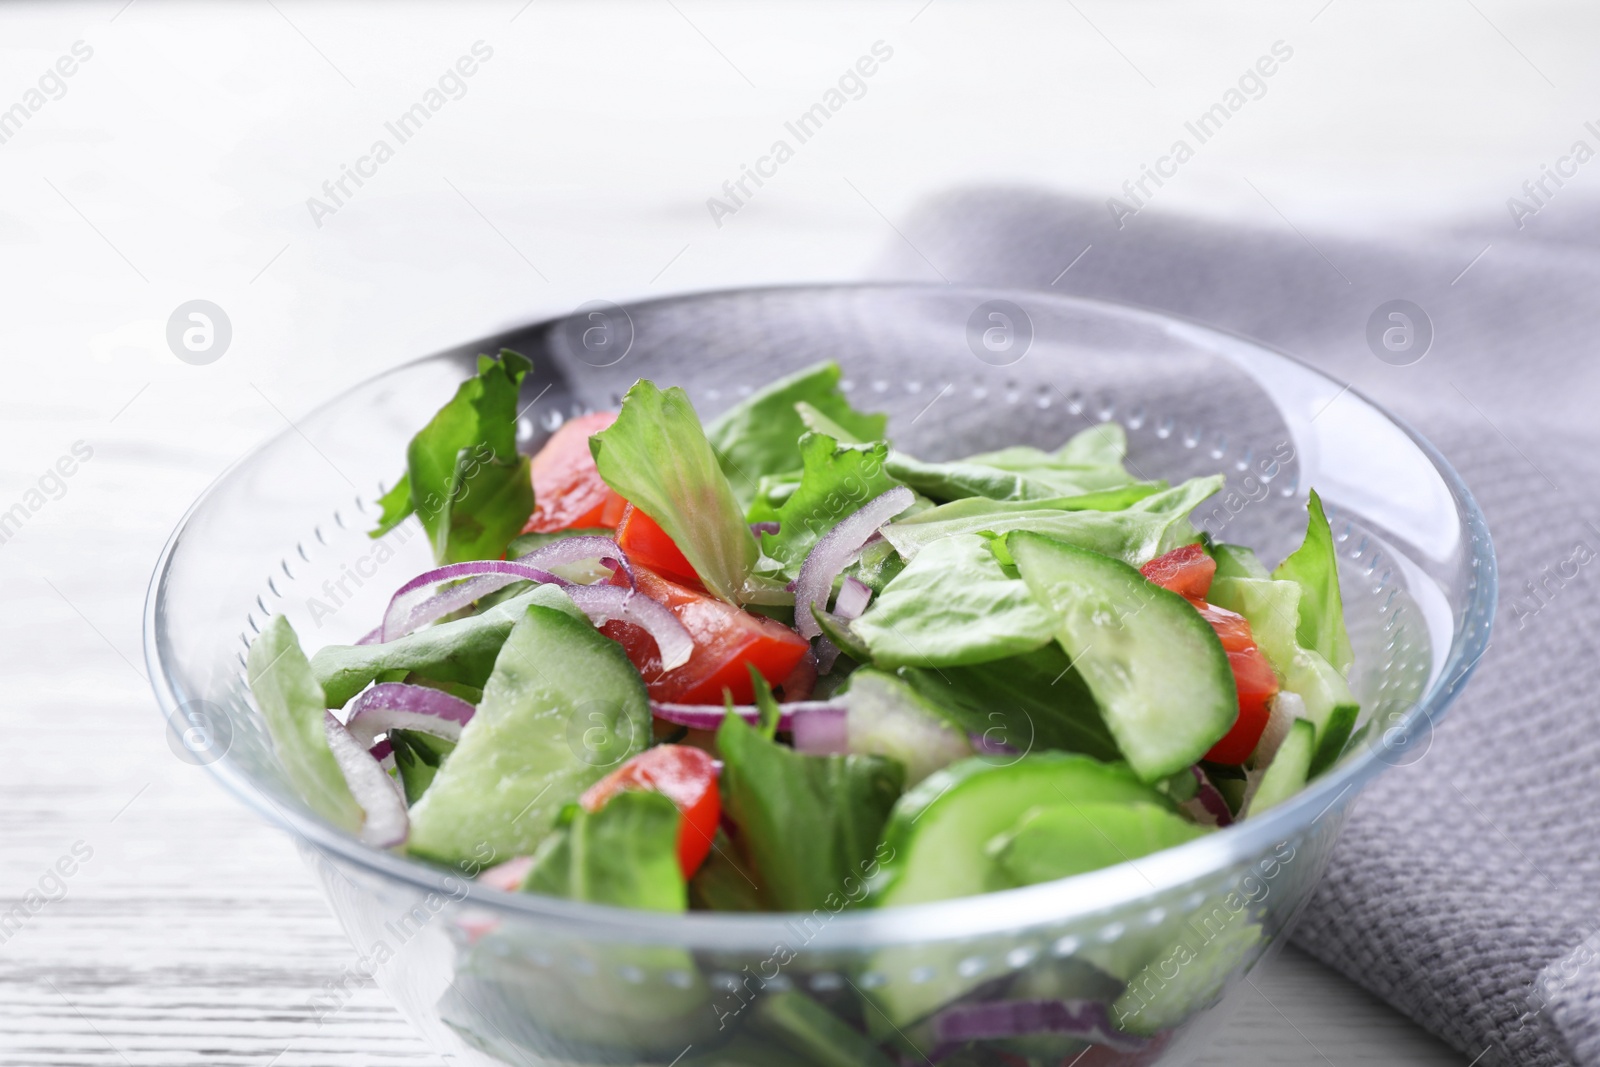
(495, 977)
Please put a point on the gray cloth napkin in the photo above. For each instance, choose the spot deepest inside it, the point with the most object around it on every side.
(1466, 888)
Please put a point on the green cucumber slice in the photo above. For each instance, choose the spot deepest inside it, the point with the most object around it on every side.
(562, 707)
(935, 839)
(1289, 770)
(1154, 665)
(1066, 839)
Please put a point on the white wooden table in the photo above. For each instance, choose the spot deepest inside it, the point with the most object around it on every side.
(176, 163)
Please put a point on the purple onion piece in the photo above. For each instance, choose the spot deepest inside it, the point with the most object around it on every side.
(602, 603)
(833, 553)
(759, 528)
(386, 823)
(416, 604)
(984, 746)
(397, 706)
(710, 716)
(1087, 1020)
(822, 733)
(852, 600)
(1211, 800)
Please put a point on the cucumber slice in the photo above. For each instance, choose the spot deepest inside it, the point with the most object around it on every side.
(1155, 667)
(563, 707)
(1289, 770)
(1063, 840)
(937, 833)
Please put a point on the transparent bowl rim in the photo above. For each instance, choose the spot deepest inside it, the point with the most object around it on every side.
(1067, 901)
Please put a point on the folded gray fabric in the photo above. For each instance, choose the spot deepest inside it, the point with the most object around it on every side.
(1466, 889)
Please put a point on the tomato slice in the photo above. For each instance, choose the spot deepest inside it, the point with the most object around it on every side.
(1253, 678)
(684, 775)
(1257, 685)
(648, 546)
(1186, 571)
(568, 491)
(725, 640)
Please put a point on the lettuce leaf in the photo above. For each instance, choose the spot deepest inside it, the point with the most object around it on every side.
(625, 854)
(464, 478)
(809, 824)
(759, 435)
(657, 456)
(837, 479)
(953, 605)
(292, 703)
(1031, 702)
(1314, 567)
(1089, 462)
(1147, 524)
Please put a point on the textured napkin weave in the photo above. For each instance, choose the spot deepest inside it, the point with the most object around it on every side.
(1466, 888)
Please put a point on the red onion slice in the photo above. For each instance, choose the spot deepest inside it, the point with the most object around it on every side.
(833, 553)
(415, 604)
(1208, 804)
(852, 600)
(1088, 1020)
(397, 706)
(386, 824)
(710, 716)
(759, 528)
(602, 603)
(821, 733)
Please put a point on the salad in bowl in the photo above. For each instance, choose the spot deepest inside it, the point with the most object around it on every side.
(692, 712)
(772, 662)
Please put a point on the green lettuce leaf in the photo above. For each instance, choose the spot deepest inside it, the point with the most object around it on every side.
(759, 436)
(809, 824)
(953, 605)
(625, 854)
(657, 456)
(837, 479)
(463, 651)
(292, 703)
(417, 758)
(1314, 567)
(1143, 528)
(1091, 461)
(1031, 702)
(464, 478)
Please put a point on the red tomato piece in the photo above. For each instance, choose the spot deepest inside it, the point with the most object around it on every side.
(1186, 571)
(1232, 629)
(648, 546)
(568, 491)
(1256, 685)
(684, 775)
(1253, 678)
(725, 640)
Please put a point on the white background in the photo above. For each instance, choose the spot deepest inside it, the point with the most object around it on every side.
(178, 164)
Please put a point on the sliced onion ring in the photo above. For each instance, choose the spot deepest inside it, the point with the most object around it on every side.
(833, 553)
(416, 604)
(603, 603)
(853, 598)
(397, 706)
(386, 823)
(821, 733)
(710, 716)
